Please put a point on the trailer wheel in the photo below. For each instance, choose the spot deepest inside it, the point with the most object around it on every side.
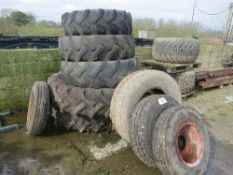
(144, 117)
(181, 143)
(132, 89)
(38, 108)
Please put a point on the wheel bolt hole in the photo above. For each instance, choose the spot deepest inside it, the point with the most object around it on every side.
(181, 143)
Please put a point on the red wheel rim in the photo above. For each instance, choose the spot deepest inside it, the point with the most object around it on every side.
(189, 144)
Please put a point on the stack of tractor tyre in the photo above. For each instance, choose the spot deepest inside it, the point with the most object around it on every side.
(97, 52)
(178, 51)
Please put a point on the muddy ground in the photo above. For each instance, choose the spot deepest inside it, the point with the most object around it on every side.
(60, 152)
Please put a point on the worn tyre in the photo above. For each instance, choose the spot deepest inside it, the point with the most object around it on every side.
(98, 74)
(82, 109)
(175, 50)
(38, 108)
(97, 22)
(132, 89)
(186, 82)
(181, 143)
(142, 124)
(96, 48)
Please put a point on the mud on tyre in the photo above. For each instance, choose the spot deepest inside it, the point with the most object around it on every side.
(82, 109)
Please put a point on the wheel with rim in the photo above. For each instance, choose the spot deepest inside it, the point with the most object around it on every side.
(181, 143)
(38, 108)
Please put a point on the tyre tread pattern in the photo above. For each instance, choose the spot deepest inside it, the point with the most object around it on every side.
(144, 118)
(175, 50)
(97, 74)
(39, 105)
(186, 82)
(96, 48)
(82, 109)
(96, 22)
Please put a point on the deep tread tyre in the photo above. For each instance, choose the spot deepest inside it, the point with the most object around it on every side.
(132, 89)
(97, 74)
(143, 120)
(96, 48)
(186, 82)
(38, 108)
(175, 50)
(181, 143)
(82, 109)
(97, 22)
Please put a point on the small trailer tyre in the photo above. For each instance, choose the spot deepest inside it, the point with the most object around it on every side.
(144, 118)
(132, 89)
(181, 143)
(38, 109)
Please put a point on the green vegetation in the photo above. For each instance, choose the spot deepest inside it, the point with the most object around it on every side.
(19, 69)
(172, 28)
(18, 23)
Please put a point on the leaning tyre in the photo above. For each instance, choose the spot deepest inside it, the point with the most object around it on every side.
(82, 109)
(132, 89)
(181, 143)
(143, 119)
(186, 81)
(175, 50)
(97, 22)
(96, 48)
(97, 74)
(38, 109)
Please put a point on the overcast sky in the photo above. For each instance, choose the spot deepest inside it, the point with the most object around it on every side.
(180, 10)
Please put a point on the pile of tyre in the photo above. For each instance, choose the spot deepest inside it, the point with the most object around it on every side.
(146, 111)
(178, 51)
(97, 52)
(98, 85)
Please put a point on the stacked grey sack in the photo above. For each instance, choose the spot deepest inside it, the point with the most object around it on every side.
(178, 51)
(97, 52)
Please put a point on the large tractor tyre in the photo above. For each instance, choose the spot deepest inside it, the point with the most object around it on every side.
(97, 22)
(38, 108)
(97, 74)
(175, 50)
(142, 124)
(96, 48)
(132, 89)
(82, 109)
(181, 143)
(186, 82)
